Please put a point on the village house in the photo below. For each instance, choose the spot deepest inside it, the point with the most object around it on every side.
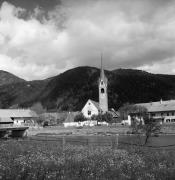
(5, 121)
(161, 111)
(17, 116)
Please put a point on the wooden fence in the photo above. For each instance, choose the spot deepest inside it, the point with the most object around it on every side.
(110, 141)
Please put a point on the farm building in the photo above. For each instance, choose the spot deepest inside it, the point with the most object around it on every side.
(16, 116)
(163, 111)
(5, 121)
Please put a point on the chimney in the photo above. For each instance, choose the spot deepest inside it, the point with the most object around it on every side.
(161, 101)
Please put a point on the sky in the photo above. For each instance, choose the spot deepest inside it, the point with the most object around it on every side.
(42, 38)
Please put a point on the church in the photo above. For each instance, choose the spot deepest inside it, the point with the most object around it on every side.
(94, 108)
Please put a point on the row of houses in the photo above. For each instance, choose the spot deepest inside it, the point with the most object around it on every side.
(162, 111)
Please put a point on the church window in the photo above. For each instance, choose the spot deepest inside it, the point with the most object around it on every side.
(102, 90)
(89, 113)
(101, 82)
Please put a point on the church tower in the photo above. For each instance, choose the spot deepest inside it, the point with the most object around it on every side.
(103, 87)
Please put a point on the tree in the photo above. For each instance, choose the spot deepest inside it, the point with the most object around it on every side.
(79, 118)
(124, 110)
(133, 110)
(150, 126)
(38, 108)
(107, 117)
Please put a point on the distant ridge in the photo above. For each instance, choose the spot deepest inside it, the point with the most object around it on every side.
(8, 78)
(70, 90)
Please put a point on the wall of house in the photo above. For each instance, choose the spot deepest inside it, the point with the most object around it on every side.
(21, 120)
(18, 121)
(89, 110)
(163, 117)
(167, 117)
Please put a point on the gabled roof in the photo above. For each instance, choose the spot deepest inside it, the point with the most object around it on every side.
(159, 106)
(96, 104)
(5, 120)
(27, 113)
(115, 114)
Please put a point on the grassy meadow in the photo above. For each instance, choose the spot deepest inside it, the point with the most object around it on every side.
(44, 156)
(48, 160)
(61, 130)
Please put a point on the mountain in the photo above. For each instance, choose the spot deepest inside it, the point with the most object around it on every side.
(8, 78)
(71, 89)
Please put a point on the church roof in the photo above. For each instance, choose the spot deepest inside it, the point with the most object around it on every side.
(96, 104)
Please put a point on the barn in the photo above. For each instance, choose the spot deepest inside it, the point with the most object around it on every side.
(16, 116)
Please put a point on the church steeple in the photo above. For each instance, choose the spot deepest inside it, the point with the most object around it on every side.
(102, 74)
(103, 95)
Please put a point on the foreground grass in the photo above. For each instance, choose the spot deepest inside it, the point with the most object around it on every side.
(47, 160)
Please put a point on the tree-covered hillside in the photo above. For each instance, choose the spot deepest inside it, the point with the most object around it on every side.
(71, 89)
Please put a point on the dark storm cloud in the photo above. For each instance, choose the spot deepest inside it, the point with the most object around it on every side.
(32, 4)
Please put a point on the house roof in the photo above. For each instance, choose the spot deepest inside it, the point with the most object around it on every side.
(160, 106)
(115, 114)
(96, 104)
(17, 113)
(5, 120)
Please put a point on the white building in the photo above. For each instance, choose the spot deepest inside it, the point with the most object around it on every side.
(18, 116)
(162, 111)
(91, 108)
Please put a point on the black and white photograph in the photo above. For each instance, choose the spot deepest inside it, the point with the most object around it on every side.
(87, 89)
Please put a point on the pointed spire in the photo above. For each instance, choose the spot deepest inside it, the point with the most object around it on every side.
(102, 74)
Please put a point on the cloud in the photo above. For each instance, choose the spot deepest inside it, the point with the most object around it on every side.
(30, 45)
(131, 34)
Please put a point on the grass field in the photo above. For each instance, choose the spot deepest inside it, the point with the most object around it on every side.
(60, 130)
(108, 135)
(47, 160)
(118, 129)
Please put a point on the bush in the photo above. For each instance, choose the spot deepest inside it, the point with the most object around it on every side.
(79, 118)
(107, 117)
